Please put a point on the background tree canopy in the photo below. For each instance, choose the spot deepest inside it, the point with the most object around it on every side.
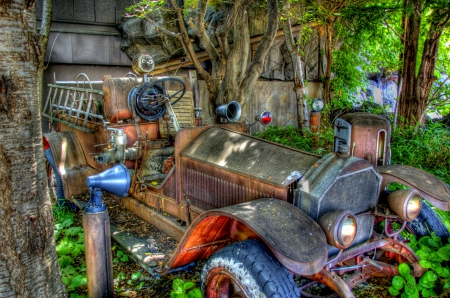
(409, 39)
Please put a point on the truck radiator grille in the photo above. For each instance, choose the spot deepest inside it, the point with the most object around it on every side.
(209, 192)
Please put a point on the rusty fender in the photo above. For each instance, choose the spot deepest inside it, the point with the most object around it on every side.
(71, 162)
(430, 188)
(293, 237)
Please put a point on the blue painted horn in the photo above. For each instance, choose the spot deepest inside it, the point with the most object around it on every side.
(115, 180)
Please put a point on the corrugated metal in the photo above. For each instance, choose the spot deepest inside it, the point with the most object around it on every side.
(251, 157)
(208, 187)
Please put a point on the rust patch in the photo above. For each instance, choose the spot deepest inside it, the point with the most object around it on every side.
(7, 88)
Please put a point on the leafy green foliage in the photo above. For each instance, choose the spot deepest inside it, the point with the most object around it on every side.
(183, 289)
(319, 143)
(120, 256)
(134, 281)
(426, 148)
(69, 247)
(434, 257)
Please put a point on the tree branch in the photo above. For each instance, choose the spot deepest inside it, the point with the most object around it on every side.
(261, 52)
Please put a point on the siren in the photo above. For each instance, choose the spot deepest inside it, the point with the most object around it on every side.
(231, 111)
(115, 180)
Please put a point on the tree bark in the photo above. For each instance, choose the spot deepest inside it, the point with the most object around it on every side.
(44, 35)
(302, 111)
(263, 48)
(28, 261)
(416, 88)
(408, 97)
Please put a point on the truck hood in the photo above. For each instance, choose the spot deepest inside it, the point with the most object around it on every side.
(249, 156)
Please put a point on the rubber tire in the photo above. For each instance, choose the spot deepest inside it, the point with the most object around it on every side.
(428, 221)
(60, 200)
(255, 267)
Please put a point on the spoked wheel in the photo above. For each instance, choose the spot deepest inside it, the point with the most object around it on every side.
(246, 269)
(427, 221)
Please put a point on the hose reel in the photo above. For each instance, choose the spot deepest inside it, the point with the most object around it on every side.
(149, 100)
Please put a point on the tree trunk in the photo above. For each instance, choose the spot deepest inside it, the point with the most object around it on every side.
(28, 260)
(44, 35)
(329, 60)
(263, 48)
(416, 88)
(408, 108)
(302, 111)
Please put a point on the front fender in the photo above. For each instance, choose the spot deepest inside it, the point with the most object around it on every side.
(430, 188)
(70, 161)
(293, 237)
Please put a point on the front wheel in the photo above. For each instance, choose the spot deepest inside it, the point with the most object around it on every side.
(427, 221)
(246, 269)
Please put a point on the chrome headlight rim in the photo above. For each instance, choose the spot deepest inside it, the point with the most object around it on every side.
(340, 228)
(406, 203)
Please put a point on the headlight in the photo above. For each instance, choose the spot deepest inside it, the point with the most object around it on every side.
(406, 203)
(339, 227)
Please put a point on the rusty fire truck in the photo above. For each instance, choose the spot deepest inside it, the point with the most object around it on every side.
(258, 211)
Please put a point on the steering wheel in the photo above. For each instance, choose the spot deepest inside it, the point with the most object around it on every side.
(149, 99)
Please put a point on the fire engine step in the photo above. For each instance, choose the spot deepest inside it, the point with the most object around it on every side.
(137, 248)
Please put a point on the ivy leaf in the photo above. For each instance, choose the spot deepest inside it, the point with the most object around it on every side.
(404, 270)
(393, 291)
(444, 253)
(423, 253)
(189, 285)
(65, 261)
(136, 275)
(73, 231)
(436, 240)
(435, 257)
(398, 282)
(442, 272)
(178, 285)
(425, 264)
(410, 281)
(431, 276)
(124, 258)
(140, 285)
(428, 293)
(67, 223)
(195, 293)
(64, 247)
(78, 281)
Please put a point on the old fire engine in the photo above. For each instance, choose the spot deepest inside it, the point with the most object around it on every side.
(258, 211)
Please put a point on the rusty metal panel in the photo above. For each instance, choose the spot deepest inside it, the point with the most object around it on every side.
(364, 136)
(208, 187)
(250, 157)
(115, 99)
(338, 183)
(280, 225)
(431, 188)
(71, 162)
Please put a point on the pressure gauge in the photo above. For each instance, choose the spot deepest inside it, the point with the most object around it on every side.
(317, 105)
